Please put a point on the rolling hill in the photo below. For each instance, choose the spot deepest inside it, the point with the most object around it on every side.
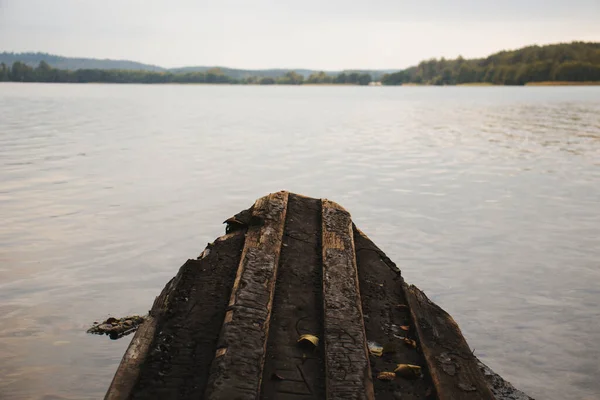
(73, 63)
(568, 62)
(562, 62)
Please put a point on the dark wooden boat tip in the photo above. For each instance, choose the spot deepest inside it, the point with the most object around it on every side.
(229, 324)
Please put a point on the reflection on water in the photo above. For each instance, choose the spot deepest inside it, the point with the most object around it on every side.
(486, 198)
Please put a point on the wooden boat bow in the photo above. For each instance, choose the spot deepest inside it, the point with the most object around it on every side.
(232, 324)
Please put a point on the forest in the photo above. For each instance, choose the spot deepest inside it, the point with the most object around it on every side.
(564, 62)
(21, 72)
(570, 62)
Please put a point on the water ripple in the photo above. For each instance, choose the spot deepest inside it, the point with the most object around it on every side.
(487, 198)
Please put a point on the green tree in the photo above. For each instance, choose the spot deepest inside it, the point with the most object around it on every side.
(578, 72)
(466, 74)
(364, 79)
(448, 76)
(577, 61)
(267, 81)
(291, 78)
(4, 73)
(490, 73)
(510, 76)
(397, 78)
(352, 78)
(341, 78)
(319, 77)
(43, 72)
(529, 64)
(215, 75)
(21, 72)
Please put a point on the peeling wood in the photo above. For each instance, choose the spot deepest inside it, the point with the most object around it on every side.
(227, 326)
(348, 372)
(237, 374)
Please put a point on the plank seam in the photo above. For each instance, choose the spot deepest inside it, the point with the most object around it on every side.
(237, 369)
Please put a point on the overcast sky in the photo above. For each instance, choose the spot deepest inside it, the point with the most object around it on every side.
(319, 34)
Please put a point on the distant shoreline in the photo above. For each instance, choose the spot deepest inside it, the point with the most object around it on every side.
(563, 83)
(473, 84)
(486, 84)
(562, 64)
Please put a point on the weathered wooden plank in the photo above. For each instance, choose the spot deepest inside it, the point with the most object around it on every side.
(386, 321)
(453, 368)
(171, 352)
(348, 373)
(222, 330)
(236, 371)
(297, 308)
(129, 369)
(180, 357)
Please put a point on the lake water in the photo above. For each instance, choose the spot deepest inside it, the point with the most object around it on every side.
(487, 198)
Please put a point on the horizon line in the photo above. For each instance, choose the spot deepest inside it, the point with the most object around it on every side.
(201, 66)
(294, 69)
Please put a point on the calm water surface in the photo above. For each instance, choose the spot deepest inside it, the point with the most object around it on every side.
(486, 198)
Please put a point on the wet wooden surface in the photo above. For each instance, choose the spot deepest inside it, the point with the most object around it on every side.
(348, 372)
(227, 326)
(291, 371)
(128, 371)
(237, 370)
(452, 365)
(171, 353)
(388, 322)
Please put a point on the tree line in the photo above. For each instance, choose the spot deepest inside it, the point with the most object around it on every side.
(573, 62)
(21, 72)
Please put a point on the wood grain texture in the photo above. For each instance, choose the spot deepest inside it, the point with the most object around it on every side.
(226, 326)
(381, 293)
(236, 372)
(297, 309)
(129, 369)
(453, 368)
(348, 373)
(185, 342)
(171, 352)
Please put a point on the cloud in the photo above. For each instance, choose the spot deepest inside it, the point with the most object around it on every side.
(266, 33)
